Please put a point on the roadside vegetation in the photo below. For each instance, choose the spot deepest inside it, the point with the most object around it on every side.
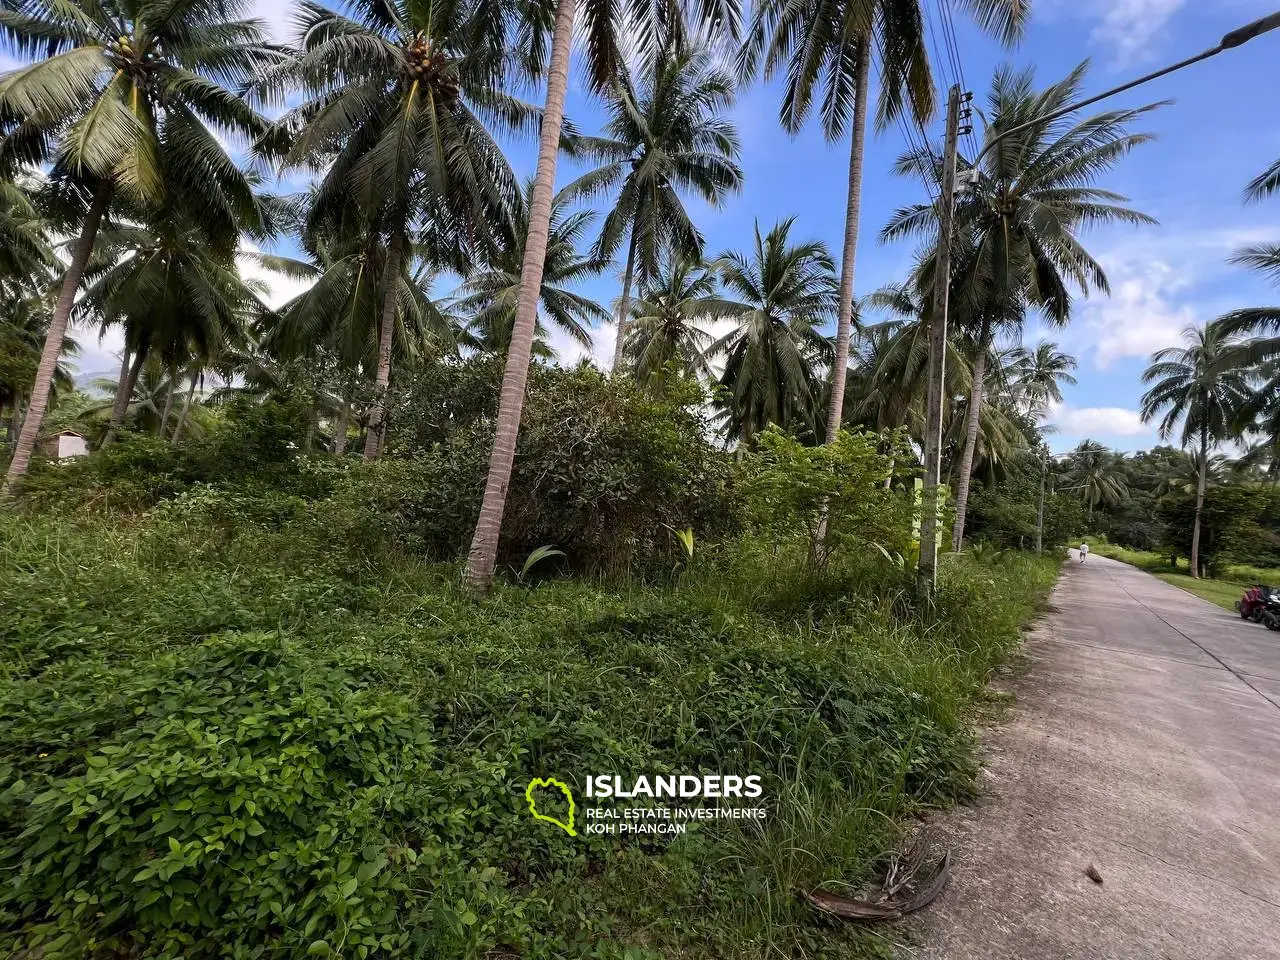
(340, 575)
(251, 714)
(1224, 590)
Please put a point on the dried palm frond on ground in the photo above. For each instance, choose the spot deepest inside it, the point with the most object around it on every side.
(909, 884)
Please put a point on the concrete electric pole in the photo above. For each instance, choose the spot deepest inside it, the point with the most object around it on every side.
(927, 569)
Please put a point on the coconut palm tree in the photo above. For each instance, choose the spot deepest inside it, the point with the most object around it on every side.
(670, 321)
(1180, 472)
(827, 47)
(22, 332)
(1096, 474)
(175, 296)
(401, 101)
(1004, 428)
(1020, 217)
(27, 259)
(784, 292)
(148, 395)
(601, 30)
(1261, 323)
(1037, 375)
(1201, 388)
(337, 319)
(122, 99)
(665, 138)
(888, 385)
(488, 295)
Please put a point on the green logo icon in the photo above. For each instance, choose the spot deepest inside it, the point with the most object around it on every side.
(550, 782)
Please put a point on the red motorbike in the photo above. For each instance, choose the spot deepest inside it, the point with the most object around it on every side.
(1254, 603)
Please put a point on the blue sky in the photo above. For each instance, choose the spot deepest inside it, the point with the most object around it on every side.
(1218, 134)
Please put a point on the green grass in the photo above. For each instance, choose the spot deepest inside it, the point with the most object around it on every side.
(1223, 591)
(236, 739)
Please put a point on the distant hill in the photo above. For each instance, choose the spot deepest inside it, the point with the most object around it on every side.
(84, 380)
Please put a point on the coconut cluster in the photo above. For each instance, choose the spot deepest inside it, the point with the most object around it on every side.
(429, 65)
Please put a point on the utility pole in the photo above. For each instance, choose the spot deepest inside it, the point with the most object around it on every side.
(927, 568)
(1044, 470)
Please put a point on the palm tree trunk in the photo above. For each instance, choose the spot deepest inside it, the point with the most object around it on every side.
(15, 421)
(624, 305)
(483, 554)
(340, 432)
(39, 401)
(186, 409)
(849, 258)
(124, 392)
(1201, 483)
(168, 403)
(973, 416)
(387, 329)
(122, 382)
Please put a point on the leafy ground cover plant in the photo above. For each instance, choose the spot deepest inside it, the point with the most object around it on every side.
(226, 736)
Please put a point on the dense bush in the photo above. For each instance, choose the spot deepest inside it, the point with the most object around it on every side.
(251, 444)
(210, 803)
(381, 733)
(1239, 526)
(602, 470)
(833, 498)
(1007, 515)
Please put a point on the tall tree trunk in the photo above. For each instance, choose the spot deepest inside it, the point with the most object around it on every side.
(483, 554)
(121, 398)
(624, 305)
(124, 393)
(1201, 482)
(849, 258)
(186, 410)
(39, 401)
(972, 419)
(15, 422)
(168, 403)
(344, 421)
(386, 331)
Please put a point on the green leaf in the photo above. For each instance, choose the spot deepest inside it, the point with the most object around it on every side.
(536, 557)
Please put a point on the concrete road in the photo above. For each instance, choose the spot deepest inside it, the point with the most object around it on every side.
(1146, 741)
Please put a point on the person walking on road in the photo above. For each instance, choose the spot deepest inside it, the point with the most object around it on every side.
(1084, 552)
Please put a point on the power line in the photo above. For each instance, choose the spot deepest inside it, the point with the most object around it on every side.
(947, 23)
(919, 143)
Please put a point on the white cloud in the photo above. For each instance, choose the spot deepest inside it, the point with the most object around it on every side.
(1128, 27)
(279, 288)
(1098, 421)
(98, 357)
(277, 17)
(1140, 317)
(1156, 291)
(570, 352)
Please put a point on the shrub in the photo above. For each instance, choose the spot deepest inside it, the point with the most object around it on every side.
(792, 490)
(1238, 526)
(251, 446)
(602, 470)
(135, 472)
